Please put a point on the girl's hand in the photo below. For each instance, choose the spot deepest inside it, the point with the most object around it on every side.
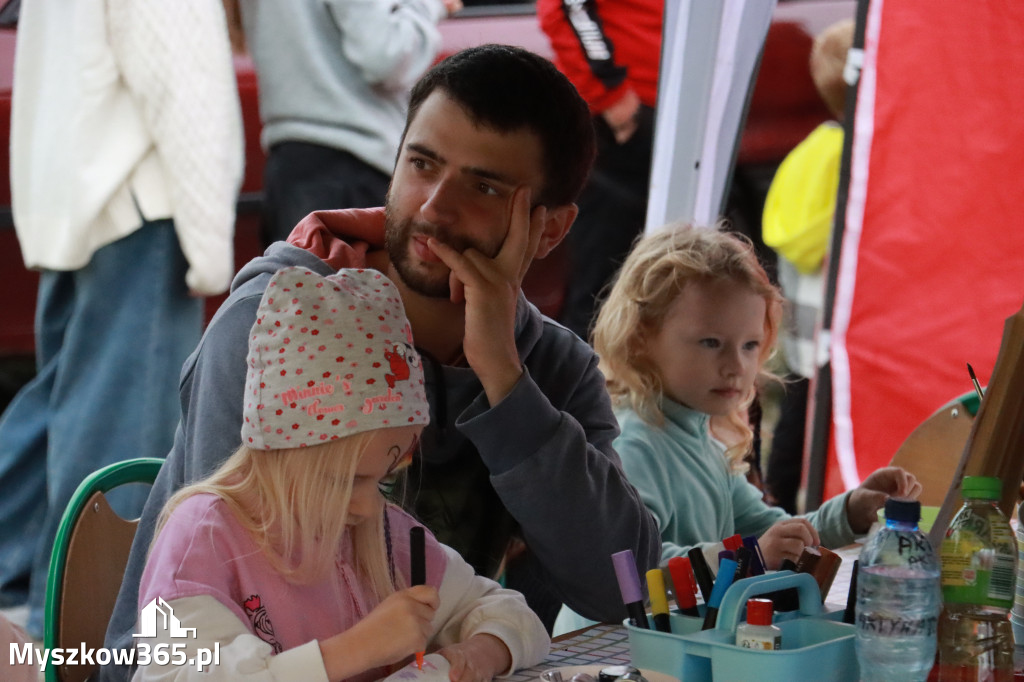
(396, 629)
(864, 502)
(478, 659)
(786, 539)
(401, 623)
(895, 482)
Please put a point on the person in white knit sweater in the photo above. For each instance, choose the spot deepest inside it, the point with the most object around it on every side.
(126, 159)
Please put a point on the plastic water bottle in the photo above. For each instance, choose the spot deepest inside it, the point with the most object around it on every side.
(979, 564)
(897, 599)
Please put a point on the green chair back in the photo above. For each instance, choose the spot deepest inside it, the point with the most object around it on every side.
(87, 564)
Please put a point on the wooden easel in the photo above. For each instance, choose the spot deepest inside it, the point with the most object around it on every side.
(995, 446)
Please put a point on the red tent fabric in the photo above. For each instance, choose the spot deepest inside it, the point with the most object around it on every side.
(932, 251)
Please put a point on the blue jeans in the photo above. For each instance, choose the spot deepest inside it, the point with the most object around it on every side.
(110, 342)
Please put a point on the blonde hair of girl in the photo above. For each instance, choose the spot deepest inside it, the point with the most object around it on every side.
(294, 503)
(657, 269)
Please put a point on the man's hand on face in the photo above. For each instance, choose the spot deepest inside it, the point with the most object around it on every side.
(490, 288)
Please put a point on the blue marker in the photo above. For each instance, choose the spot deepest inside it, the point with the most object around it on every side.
(726, 574)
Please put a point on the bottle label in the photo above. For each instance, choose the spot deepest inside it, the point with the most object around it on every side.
(761, 643)
(978, 564)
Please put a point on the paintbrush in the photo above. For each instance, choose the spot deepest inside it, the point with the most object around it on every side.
(974, 380)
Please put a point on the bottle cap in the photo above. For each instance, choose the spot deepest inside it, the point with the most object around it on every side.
(903, 511)
(759, 611)
(614, 672)
(982, 487)
(733, 542)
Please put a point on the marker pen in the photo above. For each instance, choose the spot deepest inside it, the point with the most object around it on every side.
(851, 596)
(742, 563)
(629, 586)
(756, 557)
(684, 585)
(659, 600)
(417, 568)
(733, 542)
(789, 598)
(705, 581)
(726, 573)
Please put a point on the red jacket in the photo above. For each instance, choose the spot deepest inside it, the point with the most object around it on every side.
(606, 46)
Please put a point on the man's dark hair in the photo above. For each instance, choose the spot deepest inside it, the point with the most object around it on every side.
(507, 88)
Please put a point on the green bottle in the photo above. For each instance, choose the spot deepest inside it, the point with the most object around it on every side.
(979, 569)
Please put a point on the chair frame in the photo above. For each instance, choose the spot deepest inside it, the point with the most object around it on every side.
(90, 494)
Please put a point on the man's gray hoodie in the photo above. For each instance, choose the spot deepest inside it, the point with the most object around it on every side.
(539, 466)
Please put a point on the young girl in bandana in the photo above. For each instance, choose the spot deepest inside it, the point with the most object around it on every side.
(287, 560)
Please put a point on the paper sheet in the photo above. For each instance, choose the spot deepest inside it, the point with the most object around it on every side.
(435, 669)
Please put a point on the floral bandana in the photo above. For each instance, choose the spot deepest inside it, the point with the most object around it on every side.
(330, 357)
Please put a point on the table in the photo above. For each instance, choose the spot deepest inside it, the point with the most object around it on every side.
(604, 644)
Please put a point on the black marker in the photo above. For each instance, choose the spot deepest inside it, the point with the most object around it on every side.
(789, 598)
(851, 597)
(701, 572)
(417, 568)
(742, 563)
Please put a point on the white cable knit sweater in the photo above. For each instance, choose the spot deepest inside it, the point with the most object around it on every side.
(120, 98)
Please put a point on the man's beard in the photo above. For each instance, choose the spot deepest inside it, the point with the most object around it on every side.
(397, 237)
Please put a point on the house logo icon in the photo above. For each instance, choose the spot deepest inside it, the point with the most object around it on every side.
(158, 615)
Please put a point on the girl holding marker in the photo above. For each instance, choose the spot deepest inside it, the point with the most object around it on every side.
(683, 339)
(288, 558)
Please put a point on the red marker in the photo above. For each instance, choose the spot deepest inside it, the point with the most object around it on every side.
(418, 569)
(733, 542)
(684, 585)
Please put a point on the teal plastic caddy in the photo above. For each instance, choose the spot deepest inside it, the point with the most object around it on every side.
(815, 644)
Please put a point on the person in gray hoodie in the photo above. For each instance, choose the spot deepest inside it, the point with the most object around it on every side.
(516, 470)
(334, 81)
